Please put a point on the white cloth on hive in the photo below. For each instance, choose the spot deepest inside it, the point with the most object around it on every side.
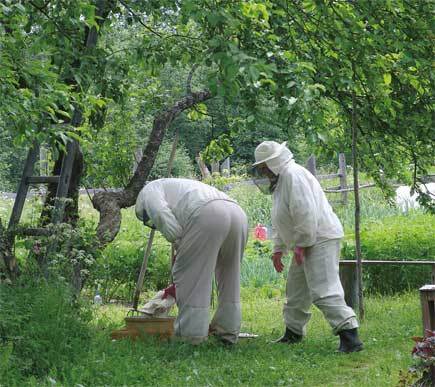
(158, 306)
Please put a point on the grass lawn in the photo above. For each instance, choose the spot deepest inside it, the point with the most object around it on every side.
(386, 332)
(97, 361)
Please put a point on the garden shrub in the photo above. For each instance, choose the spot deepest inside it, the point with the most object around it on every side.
(256, 205)
(257, 270)
(224, 183)
(403, 237)
(182, 165)
(73, 258)
(117, 269)
(42, 328)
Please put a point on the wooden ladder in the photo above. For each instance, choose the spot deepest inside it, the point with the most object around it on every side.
(62, 180)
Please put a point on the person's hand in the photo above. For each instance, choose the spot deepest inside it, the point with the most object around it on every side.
(169, 291)
(277, 262)
(299, 255)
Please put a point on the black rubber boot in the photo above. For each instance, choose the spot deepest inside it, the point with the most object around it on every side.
(289, 337)
(349, 341)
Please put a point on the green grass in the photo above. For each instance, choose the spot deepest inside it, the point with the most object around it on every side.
(390, 322)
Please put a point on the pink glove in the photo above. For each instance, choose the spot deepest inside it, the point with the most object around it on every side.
(277, 262)
(299, 255)
(169, 291)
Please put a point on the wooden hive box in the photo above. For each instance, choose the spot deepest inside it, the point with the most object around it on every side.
(138, 326)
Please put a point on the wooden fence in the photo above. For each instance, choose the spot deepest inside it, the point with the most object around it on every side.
(341, 174)
(224, 168)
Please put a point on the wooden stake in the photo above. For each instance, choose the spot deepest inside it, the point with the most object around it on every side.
(139, 283)
(173, 151)
(311, 165)
(343, 176)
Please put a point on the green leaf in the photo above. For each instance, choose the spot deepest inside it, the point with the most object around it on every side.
(250, 118)
(387, 78)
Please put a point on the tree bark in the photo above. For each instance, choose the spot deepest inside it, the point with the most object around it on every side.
(103, 8)
(357, 203)
(71, 214)
(109, 204)
(7, 258)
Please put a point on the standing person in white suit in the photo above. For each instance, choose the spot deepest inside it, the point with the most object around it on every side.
(209, 231)
(303, 221)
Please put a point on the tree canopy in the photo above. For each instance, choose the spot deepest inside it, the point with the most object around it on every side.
(120, 75)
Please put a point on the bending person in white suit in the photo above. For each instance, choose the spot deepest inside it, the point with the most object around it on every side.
(209, 231)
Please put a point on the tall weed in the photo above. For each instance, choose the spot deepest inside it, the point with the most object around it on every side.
(42, 328)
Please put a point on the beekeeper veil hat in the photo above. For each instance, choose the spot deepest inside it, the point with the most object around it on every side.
(275, 155)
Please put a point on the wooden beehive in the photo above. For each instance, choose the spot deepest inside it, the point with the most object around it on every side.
(427, 297)
(138, 326)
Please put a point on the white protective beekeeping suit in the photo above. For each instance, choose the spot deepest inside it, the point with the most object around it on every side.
(209, 231)
(302, 217)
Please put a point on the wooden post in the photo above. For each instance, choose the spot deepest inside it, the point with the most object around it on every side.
(225, 167)
(427, 297)
(343, 177)
(311, 165)
(215, 167)
(348, 277)
(23, 186)
(173, 152)
(43, 160)
(205, 173)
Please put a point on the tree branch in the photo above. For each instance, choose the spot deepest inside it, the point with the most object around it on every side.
(109, 204)
(137, 17)
(42, 10)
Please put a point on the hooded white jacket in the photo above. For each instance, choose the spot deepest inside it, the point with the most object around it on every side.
(301, 214)
(170, 203)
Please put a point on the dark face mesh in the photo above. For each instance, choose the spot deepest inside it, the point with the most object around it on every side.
(147, 221)
(264, 179)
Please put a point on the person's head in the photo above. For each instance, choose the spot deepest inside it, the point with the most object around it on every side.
(270, 157)
(145, 218)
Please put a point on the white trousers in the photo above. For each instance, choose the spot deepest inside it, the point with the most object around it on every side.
(213, 242)
(317, 282)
